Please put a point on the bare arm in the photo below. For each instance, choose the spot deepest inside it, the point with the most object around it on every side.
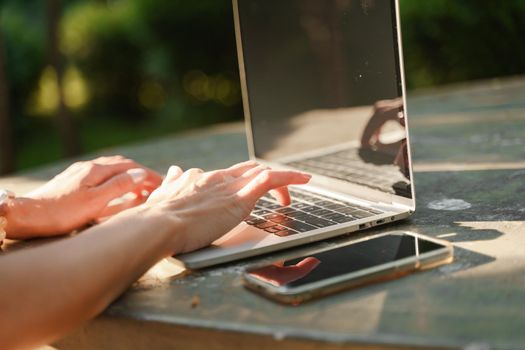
(47, 291)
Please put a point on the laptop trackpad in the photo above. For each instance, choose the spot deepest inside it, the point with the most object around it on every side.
(240, 235)
(241, 241)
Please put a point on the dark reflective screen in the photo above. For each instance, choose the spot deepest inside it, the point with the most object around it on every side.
(324, 88)
(343, 260)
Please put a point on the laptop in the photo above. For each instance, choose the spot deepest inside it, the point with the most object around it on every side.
(323, 92)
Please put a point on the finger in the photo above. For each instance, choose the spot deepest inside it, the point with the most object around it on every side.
(248, 176)
(173, 174)
(252, 173)
(111, 210)
(401, 159)
(144, 189)
(308, 263)
(282, 195)
(190, 176)
(192, 173)
(383, 112)
(153, 179)
(109, 159)
(298, 271)
(119, 185)
(103, 170)
(372, 129)
(279, 275)
(269, 180)
(241, 168)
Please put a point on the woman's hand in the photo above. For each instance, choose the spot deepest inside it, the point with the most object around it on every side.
(79, 195)
(203, 206)
(384, 111)
(372, 149)
(279, 275)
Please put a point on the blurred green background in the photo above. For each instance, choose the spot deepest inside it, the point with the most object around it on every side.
(81, 75)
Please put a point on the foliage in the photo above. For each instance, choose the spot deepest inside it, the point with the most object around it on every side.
(138, 52)
(24, 40)
(448, 41)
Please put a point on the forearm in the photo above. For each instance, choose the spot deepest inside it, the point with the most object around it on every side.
(48, 290)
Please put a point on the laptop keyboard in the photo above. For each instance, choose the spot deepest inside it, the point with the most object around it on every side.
(307, 212)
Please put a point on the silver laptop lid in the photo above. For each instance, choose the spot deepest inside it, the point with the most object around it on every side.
(323, 91)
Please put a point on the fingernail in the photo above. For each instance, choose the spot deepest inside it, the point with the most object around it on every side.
(137, 175)
(308, 176)
(174, 169)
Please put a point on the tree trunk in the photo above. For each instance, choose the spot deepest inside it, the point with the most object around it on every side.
(7, 154)
(68, 132)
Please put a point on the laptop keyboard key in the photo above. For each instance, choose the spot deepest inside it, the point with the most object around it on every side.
(286, 210)
(311, 208)
(276, 217)
(324, 203)
(274, 229)
(333, 215)
(318, 222)
(303, 217)
(334, 206)
(263, 203)
(285, 232)
(298, 226)
(347, 210)
(265, 224)
(300, 205)
(296, 214)
(261, 212)
(255, 221)
(321, 212)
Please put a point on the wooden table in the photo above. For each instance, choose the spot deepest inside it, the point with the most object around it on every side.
(469, 151)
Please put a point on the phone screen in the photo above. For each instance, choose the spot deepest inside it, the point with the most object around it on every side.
(343, 260)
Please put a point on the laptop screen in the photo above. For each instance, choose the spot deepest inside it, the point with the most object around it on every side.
(324, 88)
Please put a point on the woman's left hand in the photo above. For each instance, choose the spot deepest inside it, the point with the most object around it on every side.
(80, 195)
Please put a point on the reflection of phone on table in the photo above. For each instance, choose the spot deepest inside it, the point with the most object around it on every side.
(329, 270)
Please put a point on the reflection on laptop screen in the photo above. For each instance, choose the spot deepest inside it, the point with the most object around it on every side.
(324, 88)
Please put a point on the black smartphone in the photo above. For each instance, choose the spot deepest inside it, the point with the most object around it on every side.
(330, 270)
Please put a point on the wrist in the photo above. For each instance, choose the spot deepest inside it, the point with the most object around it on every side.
(20, 215)
(154, 223)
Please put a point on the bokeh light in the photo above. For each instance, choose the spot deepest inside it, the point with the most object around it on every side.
(45, 100)
(218, 88)
(152, 95)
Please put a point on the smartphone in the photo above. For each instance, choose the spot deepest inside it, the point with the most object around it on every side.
(329, 270)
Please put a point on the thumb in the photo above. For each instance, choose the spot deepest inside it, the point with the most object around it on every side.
(119, 185)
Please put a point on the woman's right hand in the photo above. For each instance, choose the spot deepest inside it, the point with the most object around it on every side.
(202, 206)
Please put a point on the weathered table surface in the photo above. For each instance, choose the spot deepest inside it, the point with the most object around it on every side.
(468, 146)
